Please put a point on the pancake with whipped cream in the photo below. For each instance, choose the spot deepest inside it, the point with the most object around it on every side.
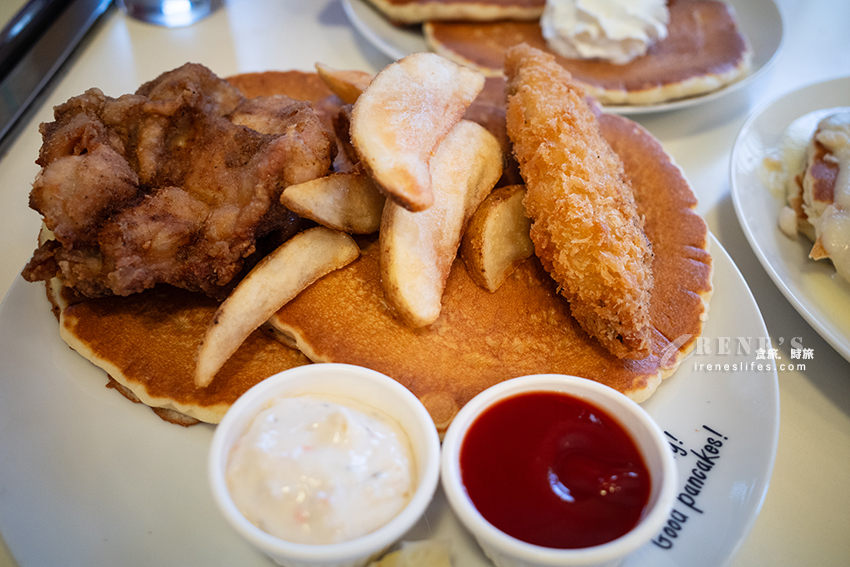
(418, 11)
(704, 50)
(525, 327)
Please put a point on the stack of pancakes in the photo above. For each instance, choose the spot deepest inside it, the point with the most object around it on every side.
(148, 342)
(704, 50)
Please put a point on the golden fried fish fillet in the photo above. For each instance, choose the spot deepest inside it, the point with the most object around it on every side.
(525, 326)
(585, 226)
(480, 339)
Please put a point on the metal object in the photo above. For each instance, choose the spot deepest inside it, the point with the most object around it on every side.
(34, 45)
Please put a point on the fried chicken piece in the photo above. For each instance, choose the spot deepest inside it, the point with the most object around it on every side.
(173, 184)
(585, 226)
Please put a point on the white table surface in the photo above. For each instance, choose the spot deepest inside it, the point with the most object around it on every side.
(805, 519)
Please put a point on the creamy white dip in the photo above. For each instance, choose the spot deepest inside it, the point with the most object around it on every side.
(321, 470)
(614, 30)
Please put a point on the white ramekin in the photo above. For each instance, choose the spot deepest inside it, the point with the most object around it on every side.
(507, 551)
(358, 384)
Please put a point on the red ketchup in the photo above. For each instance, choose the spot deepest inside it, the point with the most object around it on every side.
(555, 471)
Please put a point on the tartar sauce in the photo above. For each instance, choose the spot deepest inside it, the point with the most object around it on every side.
(321, 470)
(614, 30)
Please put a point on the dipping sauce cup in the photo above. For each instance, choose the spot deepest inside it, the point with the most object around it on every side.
(341, 383)
(552, 470)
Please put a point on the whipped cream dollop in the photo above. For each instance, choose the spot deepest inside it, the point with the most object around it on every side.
(614, 30)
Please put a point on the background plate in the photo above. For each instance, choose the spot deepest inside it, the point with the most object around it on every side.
(815, 290)
(760, 20)
(89, 479)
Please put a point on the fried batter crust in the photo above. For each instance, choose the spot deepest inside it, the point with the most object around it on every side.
(585, 226)
(173, 184)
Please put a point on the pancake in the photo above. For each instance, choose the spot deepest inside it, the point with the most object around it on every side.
(525, 327)
(704, 51)
(417, 11)
(147, 343)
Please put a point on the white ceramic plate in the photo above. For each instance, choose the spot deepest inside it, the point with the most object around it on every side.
(820, 295)
(760, 20)
(89, 479)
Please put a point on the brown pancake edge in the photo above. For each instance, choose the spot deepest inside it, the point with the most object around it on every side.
(403, 12)
(147, 344)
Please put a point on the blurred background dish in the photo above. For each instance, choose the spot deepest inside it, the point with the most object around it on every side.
(759, 20)
(815, 290)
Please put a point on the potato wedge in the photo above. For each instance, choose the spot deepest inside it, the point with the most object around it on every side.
(274, 281)
(418, 248)
(397, 122)
(347, 85)
(424, 553)
(349, 202)
(497, 239)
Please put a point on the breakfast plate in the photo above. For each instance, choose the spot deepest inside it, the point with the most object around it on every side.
(816, 291)
(759, 20)
(90, 479)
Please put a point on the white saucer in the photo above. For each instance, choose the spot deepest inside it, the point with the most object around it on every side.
(759, 20)
(88, 479)
(820, 295)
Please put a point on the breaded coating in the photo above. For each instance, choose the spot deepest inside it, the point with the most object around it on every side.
(585, 226)
(175, 184)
